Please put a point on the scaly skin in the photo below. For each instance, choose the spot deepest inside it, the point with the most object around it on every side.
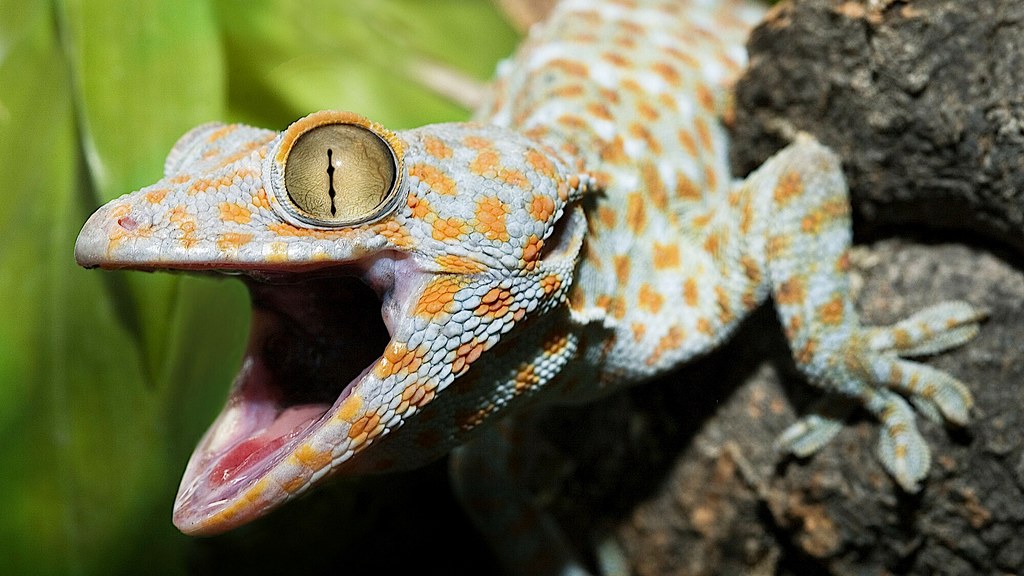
(584, 235)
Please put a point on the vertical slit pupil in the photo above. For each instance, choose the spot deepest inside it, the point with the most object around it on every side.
(330, 177)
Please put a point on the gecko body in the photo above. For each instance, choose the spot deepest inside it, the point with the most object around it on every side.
(413, 289)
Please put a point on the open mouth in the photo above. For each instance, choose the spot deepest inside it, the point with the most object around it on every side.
(310, 342)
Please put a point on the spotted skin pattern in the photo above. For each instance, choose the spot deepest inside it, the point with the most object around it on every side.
(582, 234)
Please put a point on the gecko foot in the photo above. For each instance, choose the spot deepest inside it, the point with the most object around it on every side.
(887, 386)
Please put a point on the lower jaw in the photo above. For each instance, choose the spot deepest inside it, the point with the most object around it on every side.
(310, 342)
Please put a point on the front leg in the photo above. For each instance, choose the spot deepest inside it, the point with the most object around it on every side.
(804, 240)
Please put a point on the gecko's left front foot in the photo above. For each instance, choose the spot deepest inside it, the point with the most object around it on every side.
(874, 371)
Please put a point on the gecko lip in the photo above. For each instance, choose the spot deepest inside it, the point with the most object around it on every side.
(309, 343)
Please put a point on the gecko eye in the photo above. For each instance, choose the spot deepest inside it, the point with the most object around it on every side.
(340, 174)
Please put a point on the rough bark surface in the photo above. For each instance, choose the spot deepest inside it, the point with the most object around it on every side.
(921, 99)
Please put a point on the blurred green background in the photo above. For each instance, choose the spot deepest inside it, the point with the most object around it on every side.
(107, 379)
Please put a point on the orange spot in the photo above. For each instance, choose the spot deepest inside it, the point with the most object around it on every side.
(615, 59)
(495, 303)
(512, 177)
(668, 72)
(704, 326)
(437, 148)
(685, 188)
(654, 185)
(790, 186)
(703, 133)
(701, 220)
(394, 232)
(614, 151)
(666, 256)
(621, 265)
(746, 215)
(843, 262)
(569, 67)
(186, 224)
(232, 241)
(599, 110)
(439, 295)
(751, 269)
(793, 328)
(647, 112)
(617, 307)
(609, 95)
(777, 246)
(434, 178)
(450, 228)
(650, 299)
(531, 251)
(606, 216)
(640, 131)
(276, 252)
(690, 292)
(417, 394)
(683, 57)
(713, 243)
(542, 207)
(806, 354)
(221, 132)
(292, 485)
(526, 378)
(672, 340)
(392, 360)
(570, 91)
(156, 196)
(811, 223)
(540, 163)
(312, 458)
(704, 97)
(550, 284)
(636, 217)
(284, 229)
(725, 314)
(689, 144)
(485, 164)
(364, 428)
(476, 142)
(791, 292)
(420, 206)
(710, 177)
(231, 212)
(490, 218)
(831, 312)
(458, 264)
(466, 354)
(639, 330)
(572, 121)
(260, 200)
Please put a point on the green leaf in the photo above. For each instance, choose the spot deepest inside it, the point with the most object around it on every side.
(295, 58)
(85, 462)
(143, 73)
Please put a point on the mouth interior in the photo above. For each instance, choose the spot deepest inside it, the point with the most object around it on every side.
(309, 341)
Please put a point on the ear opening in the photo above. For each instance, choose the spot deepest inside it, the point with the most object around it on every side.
(566, 239)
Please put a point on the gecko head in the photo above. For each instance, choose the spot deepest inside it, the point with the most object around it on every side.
(382, 268)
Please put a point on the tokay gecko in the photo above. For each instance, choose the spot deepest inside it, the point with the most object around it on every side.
(414, 290)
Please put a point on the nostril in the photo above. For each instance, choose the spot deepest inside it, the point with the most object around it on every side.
(128, 223)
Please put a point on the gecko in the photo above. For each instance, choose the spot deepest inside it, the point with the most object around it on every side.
(414, 292)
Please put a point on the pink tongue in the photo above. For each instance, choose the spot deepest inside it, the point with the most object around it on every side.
(286, 426)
